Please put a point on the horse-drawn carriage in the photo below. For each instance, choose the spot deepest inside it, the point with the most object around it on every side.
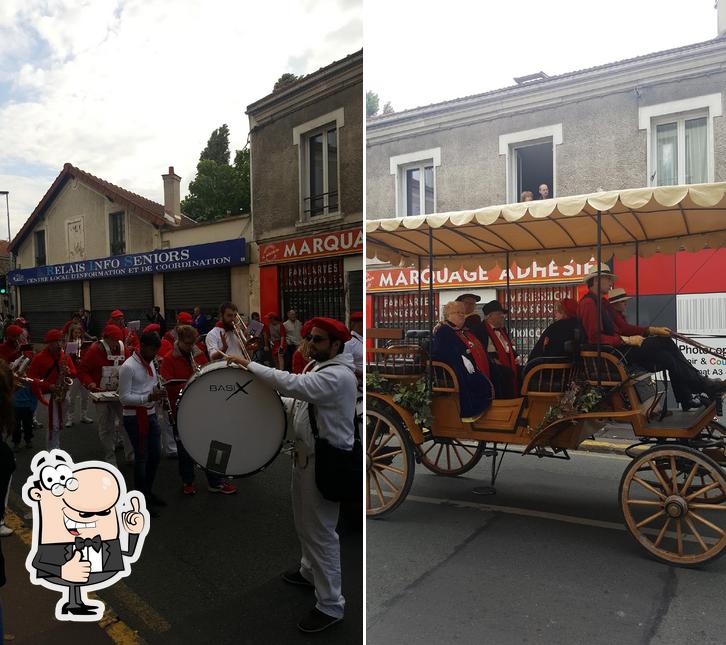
(673, 491)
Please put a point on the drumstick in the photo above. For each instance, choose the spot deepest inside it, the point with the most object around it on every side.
(227, 357)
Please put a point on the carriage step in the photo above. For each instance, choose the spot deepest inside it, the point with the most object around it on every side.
(680, 420)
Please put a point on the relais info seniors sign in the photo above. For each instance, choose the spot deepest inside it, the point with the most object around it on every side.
(182, 258)
(407, 278)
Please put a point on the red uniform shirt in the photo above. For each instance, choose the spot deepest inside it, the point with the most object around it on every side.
(624, 328)
(175, 366)
(587, 313)
(44, 369)
(93, 361)
(9, 352)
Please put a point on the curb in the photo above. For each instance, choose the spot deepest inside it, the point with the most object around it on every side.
(116, 629)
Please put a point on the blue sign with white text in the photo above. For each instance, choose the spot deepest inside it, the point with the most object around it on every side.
(181, 258)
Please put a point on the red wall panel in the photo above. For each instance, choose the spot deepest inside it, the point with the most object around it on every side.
(269, 290)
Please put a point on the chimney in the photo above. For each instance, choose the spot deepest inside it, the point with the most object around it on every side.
(721, 11)
(172, 196)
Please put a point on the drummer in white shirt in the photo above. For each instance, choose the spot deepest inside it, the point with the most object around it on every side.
(222, 339)
(138, 391)
(330, 385)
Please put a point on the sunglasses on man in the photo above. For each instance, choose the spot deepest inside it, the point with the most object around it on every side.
(315, 339)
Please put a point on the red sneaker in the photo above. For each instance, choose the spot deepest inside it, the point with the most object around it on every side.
(226, 489)
(189, 489)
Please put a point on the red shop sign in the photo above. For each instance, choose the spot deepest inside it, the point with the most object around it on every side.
(323, 245)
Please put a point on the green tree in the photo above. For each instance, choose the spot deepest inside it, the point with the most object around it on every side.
(242, 166)
(388, 108)
(285, 80)
(218, 146)
(216, 192)
(372, 103)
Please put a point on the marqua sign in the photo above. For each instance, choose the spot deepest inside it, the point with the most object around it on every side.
(180, 258)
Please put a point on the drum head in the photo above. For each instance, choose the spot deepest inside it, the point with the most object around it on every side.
(230, 422)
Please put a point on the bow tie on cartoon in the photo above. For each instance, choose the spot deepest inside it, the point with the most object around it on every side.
(94, 543)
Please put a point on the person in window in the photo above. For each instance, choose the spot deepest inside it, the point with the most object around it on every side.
(526, 196)
(544, 191)
(553, 339)
(654, 352)
(458, 347)
(503, 358)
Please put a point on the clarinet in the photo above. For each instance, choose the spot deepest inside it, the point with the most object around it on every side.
(164, 396)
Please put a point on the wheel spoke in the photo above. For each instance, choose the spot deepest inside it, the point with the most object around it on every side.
(710, 525)
(383, 443)
(650, 518)
(689, 479)
(647, 486)
(374, 434)
(659, 539)
(674, 475)
(378, 489)
(645, 502)
(679, 536)
(430, 448)
(389, 483)
(438, 456)
(455, 448)
(448, 456)
(703, 490)
(696, 533)
(465, 447)
(380, 467)
(659, 475)
(710, 507)
(388, 455)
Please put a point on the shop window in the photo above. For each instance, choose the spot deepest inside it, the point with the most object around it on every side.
(40, 259)
(531, 161)
(679, 136)
(117, 233)
(416, 182)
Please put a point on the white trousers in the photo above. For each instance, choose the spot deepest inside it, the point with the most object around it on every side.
(54, 425)
(75, 391)
(315, 522)
(107, 416)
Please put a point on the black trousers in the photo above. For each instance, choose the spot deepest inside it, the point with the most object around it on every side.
(659, 353)
(23, 425)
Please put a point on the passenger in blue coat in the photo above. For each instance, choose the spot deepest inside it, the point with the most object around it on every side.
(461, 350)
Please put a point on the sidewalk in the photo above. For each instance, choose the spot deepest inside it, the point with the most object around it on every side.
(29, 610)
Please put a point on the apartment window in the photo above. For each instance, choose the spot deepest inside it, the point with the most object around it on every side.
(117, 233)
(531, 157)
(679, 137)
(681, 150)
(319, 158)
(415, 176)
(40, 259)
(321, 196)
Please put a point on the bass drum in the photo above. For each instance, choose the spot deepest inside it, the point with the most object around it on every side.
(230, 422)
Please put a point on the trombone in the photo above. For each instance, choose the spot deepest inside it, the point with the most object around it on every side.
(246, 342)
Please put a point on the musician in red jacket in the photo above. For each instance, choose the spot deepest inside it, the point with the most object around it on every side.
(10, 348)
(129, 338)
(182, 318)
(176, 368)
(654, 352)
(48, 369)
(98, 372)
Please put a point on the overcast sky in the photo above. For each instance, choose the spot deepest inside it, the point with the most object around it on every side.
(425, 51)
(126, 88)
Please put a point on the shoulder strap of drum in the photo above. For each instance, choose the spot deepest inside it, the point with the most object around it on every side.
(314, 423)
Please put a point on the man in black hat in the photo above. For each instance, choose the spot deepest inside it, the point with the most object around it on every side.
(503, 362)
(473, 320)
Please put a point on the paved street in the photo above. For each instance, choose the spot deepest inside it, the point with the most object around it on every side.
(545, 560)
(210, 569)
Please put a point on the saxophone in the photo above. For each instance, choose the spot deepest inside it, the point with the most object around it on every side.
(64, 382)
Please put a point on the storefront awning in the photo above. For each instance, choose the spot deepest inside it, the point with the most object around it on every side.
(666, 219)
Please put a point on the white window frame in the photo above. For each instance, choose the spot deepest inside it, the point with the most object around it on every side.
(708, 105)
(300, 137)
(508, 144)
(399, 164)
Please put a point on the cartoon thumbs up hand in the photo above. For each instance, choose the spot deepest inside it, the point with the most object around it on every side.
(134, 520)
(76, 570)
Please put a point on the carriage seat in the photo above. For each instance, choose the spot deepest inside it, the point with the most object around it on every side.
(547, 374)
(542, 360)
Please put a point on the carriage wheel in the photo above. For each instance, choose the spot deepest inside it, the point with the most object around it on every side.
(450, 457)
(389, 461)
(672, 499)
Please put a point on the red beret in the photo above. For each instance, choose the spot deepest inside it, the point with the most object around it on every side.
(306, 328)
(336, 329)
(117, 313)
(152, 327)
(184, 318)
(52, 335)
(356, 315)
(13, 331)
(112, 331)
(272, 314)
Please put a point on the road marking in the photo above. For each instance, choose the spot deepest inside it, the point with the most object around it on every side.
(545, 515)
(116, 629)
